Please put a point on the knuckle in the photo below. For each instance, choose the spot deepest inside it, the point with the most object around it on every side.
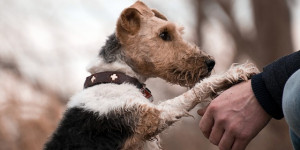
(232, 129)
(212, 107)
(243, 136)
(222, 120)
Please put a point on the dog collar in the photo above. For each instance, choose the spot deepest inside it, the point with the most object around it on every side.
(116, 78)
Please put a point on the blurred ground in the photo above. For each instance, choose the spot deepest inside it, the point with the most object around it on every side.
(45, 46)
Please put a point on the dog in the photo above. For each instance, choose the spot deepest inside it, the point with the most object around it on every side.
(114, 111)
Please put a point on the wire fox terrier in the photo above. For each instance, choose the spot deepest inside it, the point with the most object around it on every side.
(114, 111)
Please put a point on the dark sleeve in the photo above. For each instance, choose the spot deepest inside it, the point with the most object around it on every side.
(268, 85)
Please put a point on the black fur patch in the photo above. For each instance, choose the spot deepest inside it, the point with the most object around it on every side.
(85, 130)
(111, 49)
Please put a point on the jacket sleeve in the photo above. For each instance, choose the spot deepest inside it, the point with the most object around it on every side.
(268, 85)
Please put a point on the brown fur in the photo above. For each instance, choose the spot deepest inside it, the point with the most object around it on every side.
(153, 47)
(151, 120)
(176, 61)
(146, 128)
(159, 15)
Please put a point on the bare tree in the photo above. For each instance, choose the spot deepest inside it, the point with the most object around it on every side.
(273, 28)
(272, 20)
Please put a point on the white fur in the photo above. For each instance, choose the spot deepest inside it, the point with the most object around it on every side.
(153, 145)
(104, 98)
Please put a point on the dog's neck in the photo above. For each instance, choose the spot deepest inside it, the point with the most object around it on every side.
(100, 65)
(110, 58)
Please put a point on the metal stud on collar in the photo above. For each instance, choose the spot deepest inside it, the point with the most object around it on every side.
(114, 77)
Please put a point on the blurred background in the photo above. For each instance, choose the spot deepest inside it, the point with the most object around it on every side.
(45, 46)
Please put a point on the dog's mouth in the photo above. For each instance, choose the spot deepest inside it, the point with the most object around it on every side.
(188, 78)
(193, 71)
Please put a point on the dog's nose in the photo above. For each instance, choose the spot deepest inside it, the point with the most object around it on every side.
(210, 64)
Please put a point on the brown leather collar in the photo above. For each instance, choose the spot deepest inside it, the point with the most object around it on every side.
(116, 78)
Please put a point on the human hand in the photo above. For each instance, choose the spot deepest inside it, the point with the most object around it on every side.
(234, 118)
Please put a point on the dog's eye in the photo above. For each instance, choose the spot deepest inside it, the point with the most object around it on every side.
(165, 36)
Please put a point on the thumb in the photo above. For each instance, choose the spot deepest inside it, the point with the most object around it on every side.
(202, 111)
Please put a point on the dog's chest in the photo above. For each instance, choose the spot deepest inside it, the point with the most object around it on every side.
(105, 98)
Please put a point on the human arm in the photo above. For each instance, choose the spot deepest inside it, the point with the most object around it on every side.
(268, 85)
(235, 117)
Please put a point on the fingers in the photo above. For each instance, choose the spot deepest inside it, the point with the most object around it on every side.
(240, 144)
(206, 124)
(226, 141)
(202, 111)
(234, 118)
(216, 134)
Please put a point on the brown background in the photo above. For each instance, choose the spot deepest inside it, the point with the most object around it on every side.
(43, 43)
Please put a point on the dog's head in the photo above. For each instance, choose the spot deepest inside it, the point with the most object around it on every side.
(154, 47)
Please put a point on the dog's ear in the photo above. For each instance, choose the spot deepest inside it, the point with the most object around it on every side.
(129, 21)
(159, 15)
